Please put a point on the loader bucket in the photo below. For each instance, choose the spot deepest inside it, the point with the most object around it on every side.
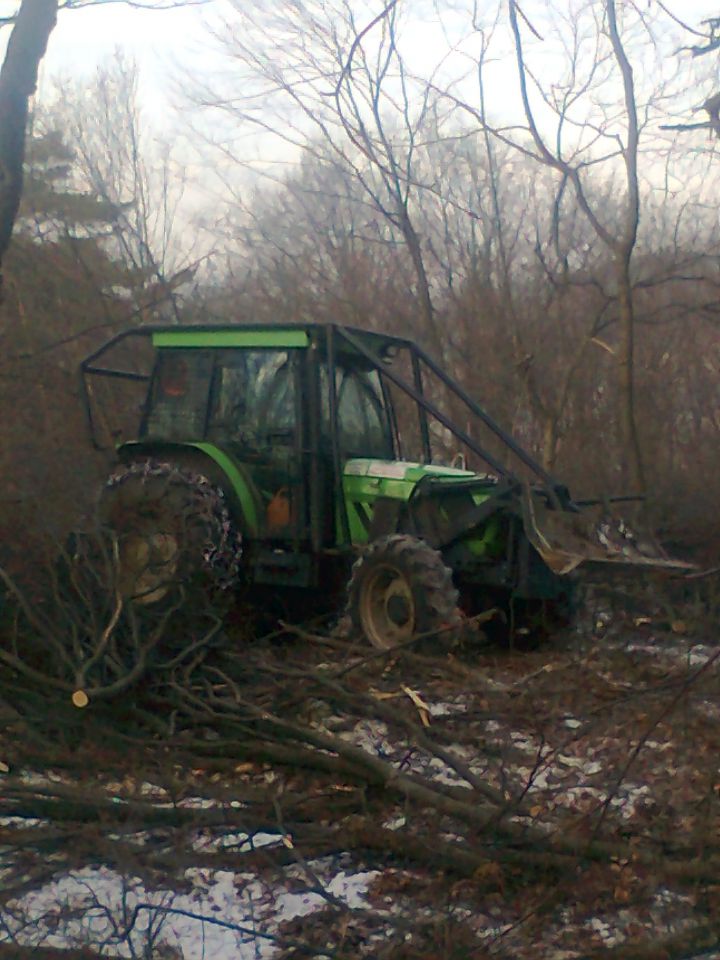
(566, 539)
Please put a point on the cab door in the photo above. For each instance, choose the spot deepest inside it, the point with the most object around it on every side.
(362, 429)
(254, 416)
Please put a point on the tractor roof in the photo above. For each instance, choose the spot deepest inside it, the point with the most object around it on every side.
(288, 335)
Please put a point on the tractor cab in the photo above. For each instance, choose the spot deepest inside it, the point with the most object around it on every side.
(263, 406)
(272, 414)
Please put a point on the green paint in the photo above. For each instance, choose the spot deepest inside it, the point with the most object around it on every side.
(417, 471)
(365, 489)
(240, 483)
(488, 541)
(408, 470)
(365, 480)
(231, 338)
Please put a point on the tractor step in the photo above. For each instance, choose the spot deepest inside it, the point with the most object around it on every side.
(284, 567)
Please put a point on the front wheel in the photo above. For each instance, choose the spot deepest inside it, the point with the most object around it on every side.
(401, 588)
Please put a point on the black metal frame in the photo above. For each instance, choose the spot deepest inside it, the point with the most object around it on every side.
(87, 367)
(333, 338)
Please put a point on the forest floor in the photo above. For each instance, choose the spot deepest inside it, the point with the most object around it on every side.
(296, 796)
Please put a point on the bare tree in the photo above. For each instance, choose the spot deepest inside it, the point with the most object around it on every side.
(709, 42)
(136, 177)
(364, 114)
(32, 27)
(539, 270)
(573, 164)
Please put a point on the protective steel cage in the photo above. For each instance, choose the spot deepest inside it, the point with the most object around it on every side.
(375, 351)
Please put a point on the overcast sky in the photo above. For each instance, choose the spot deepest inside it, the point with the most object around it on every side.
(163, 41)
(156, 39)
(83, 37)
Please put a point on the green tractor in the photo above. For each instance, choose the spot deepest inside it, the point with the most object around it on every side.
(314, 457)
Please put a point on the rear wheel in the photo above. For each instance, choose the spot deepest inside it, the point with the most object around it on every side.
(173, 528)
(400, 588)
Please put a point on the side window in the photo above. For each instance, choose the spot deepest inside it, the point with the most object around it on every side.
(276, 400)
(362, 424)
(254, 399)
(179, 395)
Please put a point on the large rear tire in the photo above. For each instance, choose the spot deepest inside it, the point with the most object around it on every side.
(401, 588)
(173, 529)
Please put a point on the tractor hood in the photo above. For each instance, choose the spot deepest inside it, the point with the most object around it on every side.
(566, 535)
(410, 472)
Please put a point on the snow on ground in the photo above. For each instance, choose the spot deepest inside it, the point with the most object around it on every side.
(557, 778)
(224, 916)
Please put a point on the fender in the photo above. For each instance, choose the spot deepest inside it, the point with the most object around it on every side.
(231, 476)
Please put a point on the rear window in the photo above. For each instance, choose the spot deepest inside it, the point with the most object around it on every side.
(179, 395)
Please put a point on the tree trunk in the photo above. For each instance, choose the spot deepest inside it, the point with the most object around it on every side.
(631, 454)
(424, 296)
(18, 79)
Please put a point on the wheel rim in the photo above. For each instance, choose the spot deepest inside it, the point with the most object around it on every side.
(148, 564)
(387, 607)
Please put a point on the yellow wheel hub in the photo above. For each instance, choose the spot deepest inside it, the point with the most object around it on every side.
(387, 607)
(148, 563)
